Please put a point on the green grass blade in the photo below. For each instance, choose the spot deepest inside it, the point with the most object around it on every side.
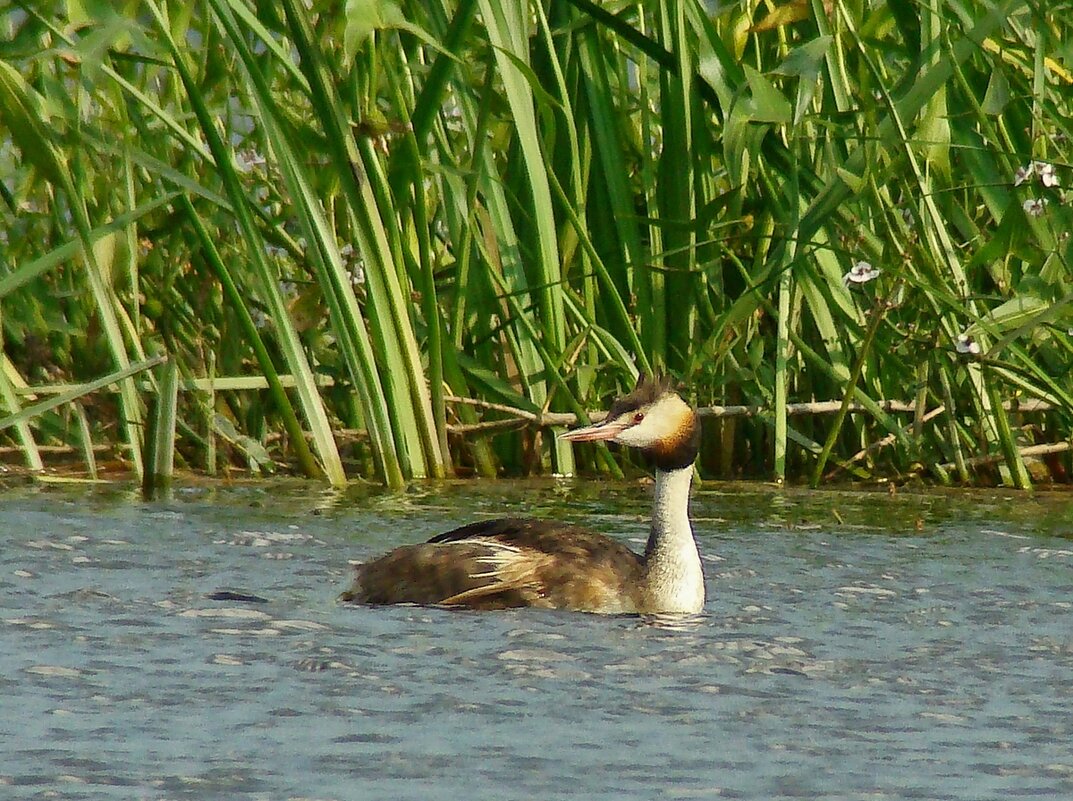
(85, 440)
(69, 250)
(18, 108)
(508, 34)
(253, 338)
(367, 193)
(160, 439)
(11, 403)
(39, 408)
(311, 403)
(346, 317)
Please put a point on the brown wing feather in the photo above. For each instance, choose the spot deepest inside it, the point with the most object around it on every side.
(506, 563)
(418, 574)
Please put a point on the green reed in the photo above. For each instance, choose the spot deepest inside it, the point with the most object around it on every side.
(395, 204)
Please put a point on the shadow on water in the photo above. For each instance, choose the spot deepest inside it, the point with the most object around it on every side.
(853, 644)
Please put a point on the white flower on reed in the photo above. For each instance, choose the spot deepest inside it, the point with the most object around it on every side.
(1035, 206)
(248, 160)
(860, 273)
(260, 319)
(1047, 176)
(967, 345)
(353, 264)
(1046, 172)
(1024, 173)
(356, 275)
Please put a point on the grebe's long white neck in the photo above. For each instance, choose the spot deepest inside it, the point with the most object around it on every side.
(674, 579)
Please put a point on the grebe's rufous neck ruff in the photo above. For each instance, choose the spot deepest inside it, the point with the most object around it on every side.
(513, 562)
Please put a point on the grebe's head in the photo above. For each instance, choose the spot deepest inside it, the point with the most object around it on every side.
(654, 419)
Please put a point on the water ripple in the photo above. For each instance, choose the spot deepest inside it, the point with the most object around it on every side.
(830, 662)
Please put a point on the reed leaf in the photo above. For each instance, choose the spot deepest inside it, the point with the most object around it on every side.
(369, 204)
(253, 338)
(525, 206)
(160, 438)
(19, 107)
(22, 427)
(349, 324)
(311, 403)
(81, 390)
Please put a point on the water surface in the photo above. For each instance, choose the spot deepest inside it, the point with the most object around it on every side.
(853, 645)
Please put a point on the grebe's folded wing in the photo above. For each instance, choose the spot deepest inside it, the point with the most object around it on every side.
(567, 542)
(506, 562)
(504, 526)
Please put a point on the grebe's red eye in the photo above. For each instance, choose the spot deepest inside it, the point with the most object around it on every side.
(637, 418)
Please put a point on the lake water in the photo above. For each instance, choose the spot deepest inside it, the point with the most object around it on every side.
(854, 645)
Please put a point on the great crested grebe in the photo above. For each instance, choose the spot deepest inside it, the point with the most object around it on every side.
(497, 564)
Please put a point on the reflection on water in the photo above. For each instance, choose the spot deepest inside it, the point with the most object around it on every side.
(194, 649)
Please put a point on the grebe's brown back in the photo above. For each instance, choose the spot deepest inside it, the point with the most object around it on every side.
(514, 562)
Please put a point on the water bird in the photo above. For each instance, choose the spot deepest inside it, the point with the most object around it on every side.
(512, 562)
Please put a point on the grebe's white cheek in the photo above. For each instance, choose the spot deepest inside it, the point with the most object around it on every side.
(657, 425)
(634, 436)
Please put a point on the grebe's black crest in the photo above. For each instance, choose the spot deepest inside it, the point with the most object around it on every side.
(647, 390)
